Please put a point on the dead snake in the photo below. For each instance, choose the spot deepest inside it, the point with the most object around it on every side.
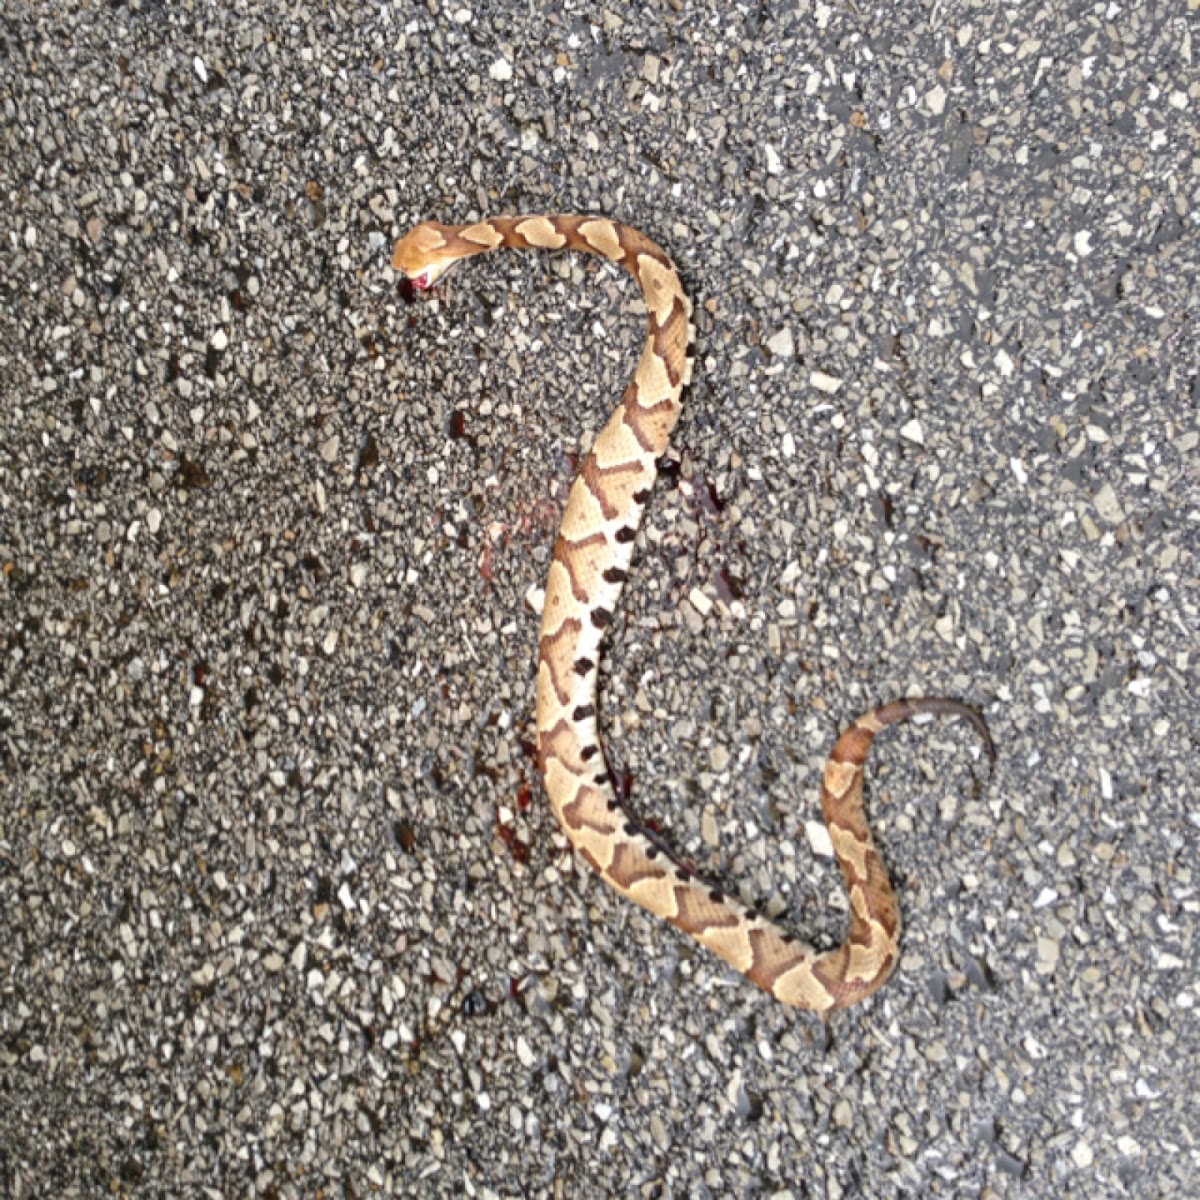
(589, 568)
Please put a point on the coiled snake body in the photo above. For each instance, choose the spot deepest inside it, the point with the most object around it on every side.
(590, 564)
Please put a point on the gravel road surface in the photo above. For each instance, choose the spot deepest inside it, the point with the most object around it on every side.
(285, 911)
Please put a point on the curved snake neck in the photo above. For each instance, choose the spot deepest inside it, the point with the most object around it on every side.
(589, 567)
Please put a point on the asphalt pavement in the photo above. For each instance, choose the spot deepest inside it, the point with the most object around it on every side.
(285, 912)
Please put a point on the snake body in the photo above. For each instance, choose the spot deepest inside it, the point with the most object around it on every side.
(590, 565)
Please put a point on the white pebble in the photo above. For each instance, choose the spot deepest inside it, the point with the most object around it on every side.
(824, 383)
(1108, 506)
(913, 432)
(501, 70)
(781, 344)
(817, 833)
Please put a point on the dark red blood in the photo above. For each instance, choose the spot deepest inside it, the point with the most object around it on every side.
(457, 425)
(524, 797)
(729, 587)
(709, 498)
(406, 836)
(622, 782)
(517, 849)
(514, 988)
(408, 291)
(881, 505)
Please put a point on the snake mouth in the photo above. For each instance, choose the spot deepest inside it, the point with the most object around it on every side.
(422, 280)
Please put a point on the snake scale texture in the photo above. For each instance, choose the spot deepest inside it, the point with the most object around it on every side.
(589, 568)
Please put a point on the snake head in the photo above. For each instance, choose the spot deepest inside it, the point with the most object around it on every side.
(424, 254)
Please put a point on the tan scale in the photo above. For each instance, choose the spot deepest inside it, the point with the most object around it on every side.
(586, 576)
(654, 384)
(540, 232)
(615, 446)
(601, 236)
(484, 234)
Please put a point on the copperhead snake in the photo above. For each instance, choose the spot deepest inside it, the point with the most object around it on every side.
(589, 567)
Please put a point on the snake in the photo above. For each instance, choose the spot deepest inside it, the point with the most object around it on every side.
(588, 569)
